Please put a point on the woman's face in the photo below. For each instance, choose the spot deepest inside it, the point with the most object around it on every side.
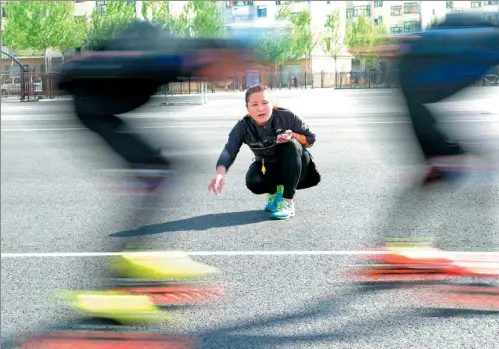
(260, 107)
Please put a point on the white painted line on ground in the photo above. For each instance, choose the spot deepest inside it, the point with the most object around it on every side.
(220, 253)
(204, 126)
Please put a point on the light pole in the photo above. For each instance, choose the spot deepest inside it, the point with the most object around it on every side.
(23, 68)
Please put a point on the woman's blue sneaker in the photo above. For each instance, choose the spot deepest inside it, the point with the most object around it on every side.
(273, 199)
(284, 210)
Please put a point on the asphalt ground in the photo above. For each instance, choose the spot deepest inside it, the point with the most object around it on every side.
(284, 279)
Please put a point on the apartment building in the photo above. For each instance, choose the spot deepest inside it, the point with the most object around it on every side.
(260, 17)
(410, 16)
(488, 9)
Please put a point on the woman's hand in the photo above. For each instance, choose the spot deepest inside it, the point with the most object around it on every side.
(218, 181)
(285, 137)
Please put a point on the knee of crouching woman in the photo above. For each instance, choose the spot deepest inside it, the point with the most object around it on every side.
(291, 147)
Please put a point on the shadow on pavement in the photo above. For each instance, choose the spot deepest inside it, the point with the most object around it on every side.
(328, 307)
(238, 335)
(219, 220)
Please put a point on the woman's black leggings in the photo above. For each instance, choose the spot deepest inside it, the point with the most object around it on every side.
(290, 170)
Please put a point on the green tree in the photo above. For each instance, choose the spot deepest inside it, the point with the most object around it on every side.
(204, 18)
(333, 41)
(198, 18)
(276, 48)
(304, 40)
(40, 25)
(15, 33)
(108, 21)
(159, 13)
(75, 36)
(362, 34)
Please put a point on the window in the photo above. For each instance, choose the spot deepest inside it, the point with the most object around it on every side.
(412, 26)
(350, 13)
(3, 12)
(328, 2)
(378, 4)
(277, 3)
(359, 10)
(411, 7)
(449, 4)
(378, 20)
(490, 3)
(261, 12)
(396, 29)
(396, 10)
(476, 4)
(230, 4)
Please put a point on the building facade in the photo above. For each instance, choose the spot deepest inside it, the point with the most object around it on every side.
(255, 18)
(260, 17)
(410, 16)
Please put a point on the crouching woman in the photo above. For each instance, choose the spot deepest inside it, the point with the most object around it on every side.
(279, 139)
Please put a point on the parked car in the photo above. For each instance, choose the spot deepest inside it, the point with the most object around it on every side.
(12, 86)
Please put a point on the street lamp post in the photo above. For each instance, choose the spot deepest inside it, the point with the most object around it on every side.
(24, 69)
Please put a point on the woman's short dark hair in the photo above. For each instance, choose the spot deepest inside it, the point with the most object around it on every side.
(254, 89)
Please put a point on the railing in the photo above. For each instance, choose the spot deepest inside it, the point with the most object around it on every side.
(35, 86)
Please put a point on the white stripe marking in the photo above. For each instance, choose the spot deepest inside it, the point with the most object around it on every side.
(222, 253)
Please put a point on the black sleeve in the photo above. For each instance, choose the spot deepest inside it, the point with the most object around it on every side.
(299, 126)
(232, 146)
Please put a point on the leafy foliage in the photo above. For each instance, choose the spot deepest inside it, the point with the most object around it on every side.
(276, 47)
(362, 34)
(107, 22)
(304, 40)
(40, 25)
(204, 18)
(159, 13)
(333, 41)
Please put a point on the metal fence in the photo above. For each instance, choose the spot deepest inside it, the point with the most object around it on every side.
(34, 86)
